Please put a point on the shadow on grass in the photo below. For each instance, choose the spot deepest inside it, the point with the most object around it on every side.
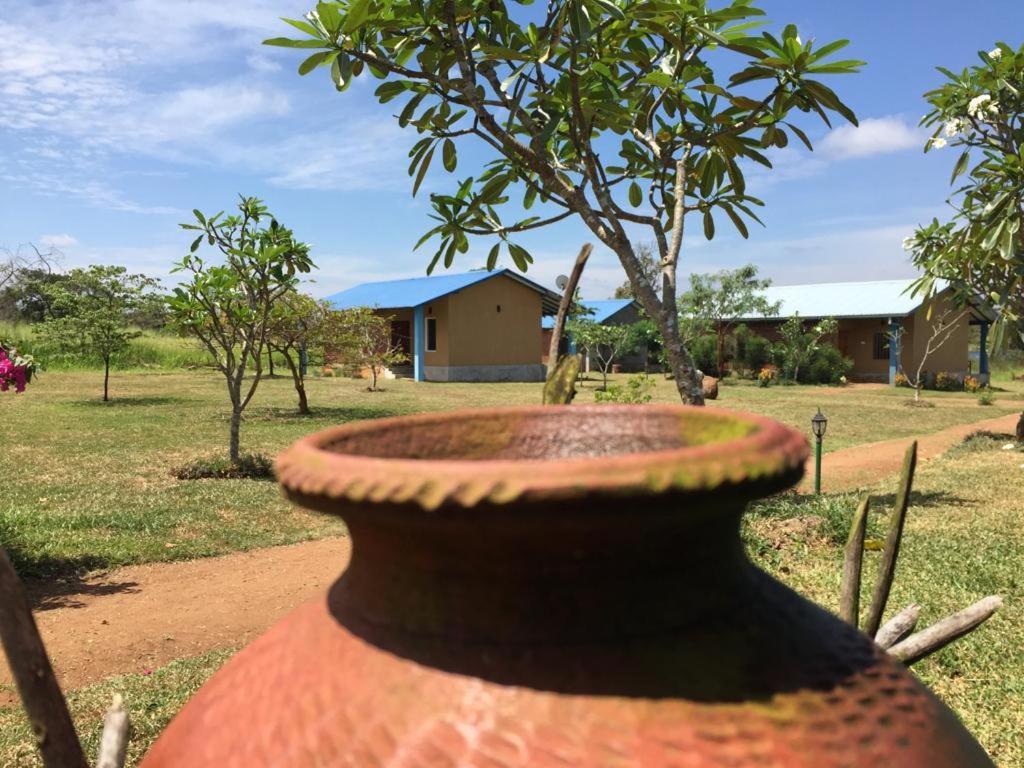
(333, 414)
(128, 402)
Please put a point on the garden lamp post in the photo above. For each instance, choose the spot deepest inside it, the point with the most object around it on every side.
(818, 425)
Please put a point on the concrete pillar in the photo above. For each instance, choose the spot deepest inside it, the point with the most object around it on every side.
(983, 352)
(419, 323)
(894, 350)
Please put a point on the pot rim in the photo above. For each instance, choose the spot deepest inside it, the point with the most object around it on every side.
(771, 456)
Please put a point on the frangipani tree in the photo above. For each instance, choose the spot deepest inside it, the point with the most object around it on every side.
(228, 303)
(980, 249)
(626, 115)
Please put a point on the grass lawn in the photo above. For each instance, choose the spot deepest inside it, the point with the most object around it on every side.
(88, 484)
(961, 543)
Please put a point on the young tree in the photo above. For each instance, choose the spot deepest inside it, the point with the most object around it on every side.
(650, 271)
(720, 299)
(980, 249)
(24, 274)
(605, 343)
(228, 305)
(364, 337)
(91, 312)
(298, 324)
(798, 345)
(941, 329)
(554, 94)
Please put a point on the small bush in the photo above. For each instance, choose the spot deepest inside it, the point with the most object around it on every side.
(704, 351)
(902, 380)
(948, 382)
(250, 466)
(638, 389)
(753, 352)
(766, 376)
(986, 397)
(827, 366)
(972, 384)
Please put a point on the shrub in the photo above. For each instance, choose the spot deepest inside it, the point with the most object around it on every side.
(972, 384)
(826, 366)
(948, 382)
(704, 351)
(986, 397)
(902, 380)
(753, 352)
(638, 389)
(766, 376)
(250, 466)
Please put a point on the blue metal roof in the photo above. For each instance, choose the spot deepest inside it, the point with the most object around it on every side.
(600, 311)
(873, 298)
(413, 291)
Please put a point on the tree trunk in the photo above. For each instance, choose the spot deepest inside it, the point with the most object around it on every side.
(1020, 429)
(236, 424)
(300, 383)
(604, 379)
(106, 379)
(373, 374)
(917, 393)
(270, 362)
(721, 350)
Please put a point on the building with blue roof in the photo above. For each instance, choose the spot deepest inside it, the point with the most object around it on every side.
(883, 327)
(470, 326)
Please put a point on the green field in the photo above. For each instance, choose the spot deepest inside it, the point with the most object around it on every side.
(88, 484)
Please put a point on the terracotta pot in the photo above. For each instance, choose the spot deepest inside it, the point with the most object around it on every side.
(557, 586)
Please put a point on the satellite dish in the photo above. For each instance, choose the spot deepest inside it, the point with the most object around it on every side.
(561, 281)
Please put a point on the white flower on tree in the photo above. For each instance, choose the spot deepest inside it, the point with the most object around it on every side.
(938, 142)
(908, 243)
(977, 104)
(996, 53)
(952, 128)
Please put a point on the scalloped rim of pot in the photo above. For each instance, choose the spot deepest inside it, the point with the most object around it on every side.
(460, 459)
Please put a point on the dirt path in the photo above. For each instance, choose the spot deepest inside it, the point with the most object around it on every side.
(141, 617)
(865, 464)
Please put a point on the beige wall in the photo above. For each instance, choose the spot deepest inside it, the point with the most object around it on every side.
(951, 357)
(478, 334)
(440, 310)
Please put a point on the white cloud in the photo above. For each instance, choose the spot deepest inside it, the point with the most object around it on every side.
(874, 136)
(59, 241)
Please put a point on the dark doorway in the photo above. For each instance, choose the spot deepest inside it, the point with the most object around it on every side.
(401, 336)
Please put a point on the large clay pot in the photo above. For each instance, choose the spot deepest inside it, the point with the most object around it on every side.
(557, 586)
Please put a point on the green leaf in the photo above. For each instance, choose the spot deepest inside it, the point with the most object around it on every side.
(492, 257)
(358, 11)
(709, 224)
(448, 156)
(636, 195)
(961, 165)
(199, 216)
(284, 42)
(195, 244)
(424, 164)
(612, 8)
(315, 61)
(520, 256)
(740, 225)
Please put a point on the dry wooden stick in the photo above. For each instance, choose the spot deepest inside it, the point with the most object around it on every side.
(887, 567)
(898, 627)
(114, 740)
(853, 560)
(37, 685)
(563, 308)
(942, 633)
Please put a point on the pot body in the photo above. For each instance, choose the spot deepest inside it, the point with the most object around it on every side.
(560, 629)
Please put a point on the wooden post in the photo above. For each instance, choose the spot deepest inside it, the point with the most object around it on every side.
(887, 567)
(37, 685)
(898, 627)
(853, 560)
(942, 633)
(565, 304)
(114, 739)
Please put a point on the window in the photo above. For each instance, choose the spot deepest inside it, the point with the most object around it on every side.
(881, 349)
(431, 334)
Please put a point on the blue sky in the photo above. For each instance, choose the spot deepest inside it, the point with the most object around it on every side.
(118, 118)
